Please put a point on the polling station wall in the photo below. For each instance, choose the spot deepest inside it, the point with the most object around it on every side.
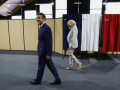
(23, 35)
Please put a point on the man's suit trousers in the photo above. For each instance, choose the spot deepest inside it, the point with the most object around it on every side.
(41, 66)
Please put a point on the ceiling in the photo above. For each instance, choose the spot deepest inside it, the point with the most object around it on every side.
(8, 7)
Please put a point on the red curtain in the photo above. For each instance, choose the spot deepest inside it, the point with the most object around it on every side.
(111, 33)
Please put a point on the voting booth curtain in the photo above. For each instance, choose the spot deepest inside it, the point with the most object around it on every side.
(66, 18)
(90, 32)
(111, 33)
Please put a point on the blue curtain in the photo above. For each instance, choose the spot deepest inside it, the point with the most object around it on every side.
(66, 18)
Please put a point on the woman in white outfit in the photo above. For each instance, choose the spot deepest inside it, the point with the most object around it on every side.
(73, 42)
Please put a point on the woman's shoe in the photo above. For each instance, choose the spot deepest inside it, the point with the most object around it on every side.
(70, 66)
(79, 65)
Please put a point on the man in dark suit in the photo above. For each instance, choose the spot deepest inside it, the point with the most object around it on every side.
(45, 51)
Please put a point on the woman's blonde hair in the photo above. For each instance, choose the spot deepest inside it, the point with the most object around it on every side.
(71, 23)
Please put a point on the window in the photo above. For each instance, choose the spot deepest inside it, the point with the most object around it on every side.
(61, 4)
(16, 17)
(112, 8)
(46, 9)
(95, 11)
(59, 13)
(31, 14)
(49, 16)
(61, 8)
(95, 6)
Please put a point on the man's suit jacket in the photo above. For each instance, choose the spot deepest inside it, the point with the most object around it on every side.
(45, 41)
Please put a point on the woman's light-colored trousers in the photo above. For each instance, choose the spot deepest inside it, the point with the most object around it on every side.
(71, 58)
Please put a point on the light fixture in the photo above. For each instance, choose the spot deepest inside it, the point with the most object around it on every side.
(8, 5)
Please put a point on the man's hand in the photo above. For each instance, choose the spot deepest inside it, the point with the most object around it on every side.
(47, 57)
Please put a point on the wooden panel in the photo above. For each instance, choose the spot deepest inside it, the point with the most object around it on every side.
(4, 36)
(16, 34)
(31, 34)
(116, 52)
(58, 35)
(50, 22)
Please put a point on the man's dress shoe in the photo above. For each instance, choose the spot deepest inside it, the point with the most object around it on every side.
(55, 82)
(34, 82)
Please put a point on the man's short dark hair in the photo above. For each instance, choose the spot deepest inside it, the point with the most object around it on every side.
(43, 15)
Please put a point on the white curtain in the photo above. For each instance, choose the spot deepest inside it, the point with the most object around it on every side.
(90, 32)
